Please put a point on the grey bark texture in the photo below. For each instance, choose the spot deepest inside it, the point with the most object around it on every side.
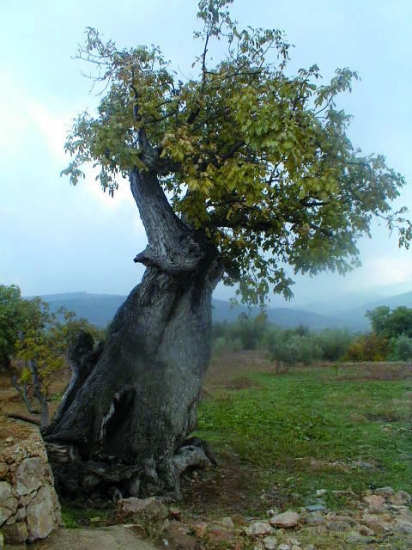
(131, 404)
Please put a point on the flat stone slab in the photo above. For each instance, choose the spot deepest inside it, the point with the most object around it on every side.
(116, 537)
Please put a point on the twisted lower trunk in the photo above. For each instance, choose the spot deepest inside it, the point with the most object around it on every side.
(131, 405)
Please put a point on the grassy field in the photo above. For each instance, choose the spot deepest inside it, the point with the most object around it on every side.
(336, 427)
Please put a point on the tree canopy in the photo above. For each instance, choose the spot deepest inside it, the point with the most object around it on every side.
(34, 341)
(12, 317)
(389, 323)
(257, 160)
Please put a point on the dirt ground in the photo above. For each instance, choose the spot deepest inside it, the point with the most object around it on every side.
(105, 538)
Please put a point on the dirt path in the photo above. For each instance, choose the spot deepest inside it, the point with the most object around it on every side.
(117, 537)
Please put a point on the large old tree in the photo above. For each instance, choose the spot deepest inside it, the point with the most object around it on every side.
(235, 173)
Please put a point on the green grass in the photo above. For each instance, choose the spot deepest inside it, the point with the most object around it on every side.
(313, 429)
(74, 516)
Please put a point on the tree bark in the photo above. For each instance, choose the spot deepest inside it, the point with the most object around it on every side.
(38, 394)
(131, 404)
(22, 390)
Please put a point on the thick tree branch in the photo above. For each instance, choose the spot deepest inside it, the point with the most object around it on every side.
(232, 151)
(172, 245)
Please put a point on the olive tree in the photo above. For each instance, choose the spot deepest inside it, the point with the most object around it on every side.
(235, 173)
(34, 342)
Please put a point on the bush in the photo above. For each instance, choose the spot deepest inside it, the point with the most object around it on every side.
(334, 343)
(290, 347)
(391, 324)
(369, 347)
(401, 348)
(223, 343)
(246, 333)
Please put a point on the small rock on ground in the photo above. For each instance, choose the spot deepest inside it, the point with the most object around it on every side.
(286, 520)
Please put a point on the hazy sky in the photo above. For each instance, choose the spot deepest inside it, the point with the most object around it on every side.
(55, 238)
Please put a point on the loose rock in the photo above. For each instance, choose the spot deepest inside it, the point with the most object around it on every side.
(400, 498)
(259, 528)
(199, 529)
(374, 501)
(151, 513)
(226, 523)
(403, 525)
(270, 543)
(316, 508)
(4, 468)
(365, 531)
(384, 492)
(339, 526)
(286, 520)
(175, 513)
(355, 538)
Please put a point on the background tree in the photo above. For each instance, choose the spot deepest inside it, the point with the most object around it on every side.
(401, 348)
(12, 318)
(368, 347)
(395, 327)
(391, 324)
(44, 343)
(235, 173)
(34, 341)
(334, 343)
(288, 347)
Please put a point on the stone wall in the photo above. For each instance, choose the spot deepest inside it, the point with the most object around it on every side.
(29, 507)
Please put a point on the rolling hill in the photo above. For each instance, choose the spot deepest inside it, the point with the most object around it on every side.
(99, 309)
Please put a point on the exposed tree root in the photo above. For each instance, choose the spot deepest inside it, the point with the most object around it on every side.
(115, 479)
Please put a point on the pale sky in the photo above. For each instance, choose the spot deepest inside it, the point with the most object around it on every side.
(56, 238)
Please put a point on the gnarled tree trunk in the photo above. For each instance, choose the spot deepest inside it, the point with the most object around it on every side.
(130, 407)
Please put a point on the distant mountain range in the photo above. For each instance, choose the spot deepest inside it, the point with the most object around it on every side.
(99, 309)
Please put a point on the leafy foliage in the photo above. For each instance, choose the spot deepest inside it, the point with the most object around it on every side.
(257, 160)
(285, 346)
(391, 324)
(12, 317)
(368, 347)
(36, 339)
(393, 329)
(45, 338)
(292, 346)
(334, 343)
(401, 348)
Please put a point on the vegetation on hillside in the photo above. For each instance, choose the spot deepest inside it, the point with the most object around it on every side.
(389, 340)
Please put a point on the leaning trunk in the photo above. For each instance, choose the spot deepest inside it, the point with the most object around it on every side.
(126, 416)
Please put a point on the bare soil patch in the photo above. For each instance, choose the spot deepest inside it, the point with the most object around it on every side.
(223, 490)
(375, 371)
(230, 370)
